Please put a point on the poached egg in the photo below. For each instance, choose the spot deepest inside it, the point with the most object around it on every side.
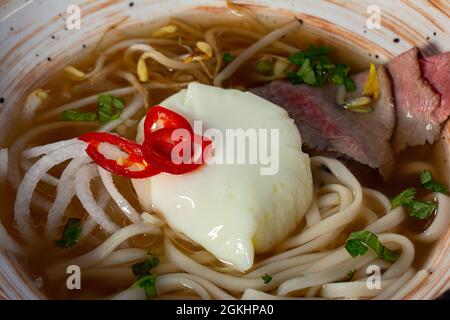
(231, 209)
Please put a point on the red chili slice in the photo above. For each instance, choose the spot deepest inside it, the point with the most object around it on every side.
(160, 145)
(165, 118)
(155, 154)
(134, 151)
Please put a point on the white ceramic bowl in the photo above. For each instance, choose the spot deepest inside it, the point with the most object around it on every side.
(35, 42)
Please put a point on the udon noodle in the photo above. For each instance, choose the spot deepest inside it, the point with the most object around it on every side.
(53, 179)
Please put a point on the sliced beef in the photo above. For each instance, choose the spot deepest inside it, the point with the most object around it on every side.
(416, 102)
(326, 126)
(436, 70)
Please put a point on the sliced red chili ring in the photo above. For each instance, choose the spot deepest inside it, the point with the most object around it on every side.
(155, 154)
(165, 118)
(133, 150)
(160, 146)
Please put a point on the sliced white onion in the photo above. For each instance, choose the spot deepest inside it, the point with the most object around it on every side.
(30, 181)
(83, 191)
(118, 198)
(14, 174)
(65, 191)
(90, 224)
(47, 148)
(47, 178)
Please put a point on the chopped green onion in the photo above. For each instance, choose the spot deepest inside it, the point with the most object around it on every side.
(325, 63)
(294, 78)
(110, 100)
(359, 242)
(109, 108)
(421, 209)
(72, 115)
(315, 68)
(306, 73)
(339, 73)
(404, 198)
(297, 58)
(311, 53)
(148, 283)
(145, 278)
(416, 209)
(140, 269)
(427, 182)
(227, 57)
(266, 278)
(350, 275)
(71, 234)
(349, 84)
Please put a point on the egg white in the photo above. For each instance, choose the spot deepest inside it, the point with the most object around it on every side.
(231, 209)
